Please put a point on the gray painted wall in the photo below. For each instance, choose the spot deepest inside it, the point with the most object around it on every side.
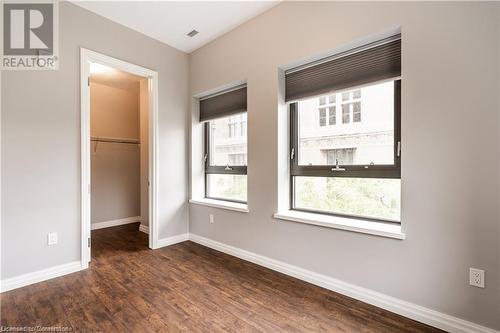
(41, 142)
(450, 167)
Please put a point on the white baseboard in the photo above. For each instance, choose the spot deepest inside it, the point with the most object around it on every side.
(172, 240)
(114, 223)
(406, 309)
(53, 272)
(39, 276)
(144, 228)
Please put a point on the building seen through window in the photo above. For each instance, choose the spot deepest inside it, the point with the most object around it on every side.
(346, 130)
(227, 152)
(364, 136)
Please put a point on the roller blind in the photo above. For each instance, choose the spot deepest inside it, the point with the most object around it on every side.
(223, 104)
(376, 61)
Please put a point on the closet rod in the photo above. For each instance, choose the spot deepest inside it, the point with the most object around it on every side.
(113, 140)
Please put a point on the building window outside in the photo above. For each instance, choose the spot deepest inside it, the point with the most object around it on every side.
(350, 105)
(322, 116)
(346, 114)
(327, 111)
(344, 156)
(332, 116)
(237, 125)
(356, 112)
(237, 159)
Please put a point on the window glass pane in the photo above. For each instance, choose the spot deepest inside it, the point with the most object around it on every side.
(237, 159)
(229, 187)
(365, 131)
(342, 156)
(356, 112)
(244, 128)
(228, 138)
(332, 117)
(322, 116)
(322, 100)
(365, 197)
(346, 113)
(331, 99)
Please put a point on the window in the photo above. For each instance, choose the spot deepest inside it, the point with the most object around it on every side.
(356, 112)
(238, 125)
(330, 118)
(343, 156)
(226, 158)
(346, 114)
(225, 141)
(349, 170)
(322, 117)
(348, 162)
(351, 104)
(237, 159)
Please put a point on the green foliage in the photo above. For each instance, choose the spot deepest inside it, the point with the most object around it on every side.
(353, 196)
(379, 198)
(232, 187)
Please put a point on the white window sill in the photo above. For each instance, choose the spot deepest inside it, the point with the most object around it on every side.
(238, 207)
(344, 223)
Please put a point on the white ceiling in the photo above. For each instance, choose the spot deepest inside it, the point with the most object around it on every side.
(170, 21)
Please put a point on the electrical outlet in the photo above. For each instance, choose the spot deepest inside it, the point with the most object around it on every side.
(52, 238)
(211, 218)
(476, 277)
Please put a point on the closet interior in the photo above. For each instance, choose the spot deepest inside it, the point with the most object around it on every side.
(119, 148)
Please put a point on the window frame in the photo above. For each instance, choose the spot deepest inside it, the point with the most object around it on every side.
(392, 171)
(221, 170)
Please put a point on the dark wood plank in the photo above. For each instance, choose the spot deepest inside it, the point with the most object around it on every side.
(187, 288)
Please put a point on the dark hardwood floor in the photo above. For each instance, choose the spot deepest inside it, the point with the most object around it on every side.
(189, 288)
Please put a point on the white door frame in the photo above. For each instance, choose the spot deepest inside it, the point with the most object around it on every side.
(86, 57)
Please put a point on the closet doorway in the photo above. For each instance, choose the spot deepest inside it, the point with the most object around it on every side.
(118, 141)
